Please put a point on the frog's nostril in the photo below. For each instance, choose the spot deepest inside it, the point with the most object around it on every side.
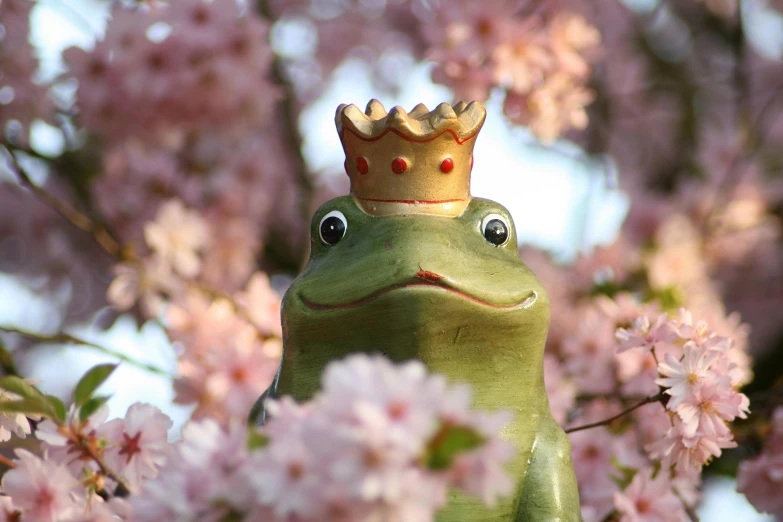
(428, 276)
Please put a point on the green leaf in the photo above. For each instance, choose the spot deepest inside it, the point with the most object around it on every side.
(626, 474)
(18, 386)
(256, 439)
(91, 380)
(449, 442)
(58, 408)
(91, 406)
(32, 406)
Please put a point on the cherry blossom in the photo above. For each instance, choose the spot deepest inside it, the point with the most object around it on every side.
(683, 377)
(709, 408)
(649, 499)
(646, 334)
(64, 443)
(138, 444)
(40, 488)
(688, 452)
(362, 442)
(760, 478)
(177, 235)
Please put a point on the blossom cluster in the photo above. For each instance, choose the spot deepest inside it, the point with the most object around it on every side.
(702, 384)
(541, 58)
(64, 481)
(376, 444)
(186, 66)
(22, 99)
(229, 345)
(678, 376)
(541, 62)
(371, 446)
(183, 99)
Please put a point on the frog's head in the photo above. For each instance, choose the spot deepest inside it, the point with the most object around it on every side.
(470, 260)
(436, 278)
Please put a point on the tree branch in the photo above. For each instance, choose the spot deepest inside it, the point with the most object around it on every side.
(65, 338)
(654, 398)
(290, 128)
(102, 236)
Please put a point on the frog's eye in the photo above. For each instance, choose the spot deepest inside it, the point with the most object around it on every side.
(333, 226)
(495, 229)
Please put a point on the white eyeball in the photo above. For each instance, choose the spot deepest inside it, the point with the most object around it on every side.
(333, 227)
(495, 229)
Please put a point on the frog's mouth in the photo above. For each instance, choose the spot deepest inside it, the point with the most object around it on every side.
(423, 279)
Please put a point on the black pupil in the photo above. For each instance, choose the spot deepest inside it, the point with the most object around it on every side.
(332, 230)
(496, 232)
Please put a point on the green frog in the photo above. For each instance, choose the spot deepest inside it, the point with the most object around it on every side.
(451, 291)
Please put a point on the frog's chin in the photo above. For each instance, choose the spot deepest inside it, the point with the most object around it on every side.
(528, 301)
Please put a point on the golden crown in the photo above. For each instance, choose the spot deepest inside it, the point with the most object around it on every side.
(410, 163)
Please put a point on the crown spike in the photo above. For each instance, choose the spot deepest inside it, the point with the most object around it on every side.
(419, 111)
(375, 109)
(442, 112)
(398, 114)
(460, 106)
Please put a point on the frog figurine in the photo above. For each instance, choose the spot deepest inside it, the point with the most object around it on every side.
(411, 266)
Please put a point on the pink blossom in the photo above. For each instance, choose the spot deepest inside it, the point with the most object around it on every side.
(761, 480)
(138, 444)
(178, 235)
(480, 472)
(648, 499)
(60, 441)
(41, 488)
(211, 71)
(682, 378)
(177, 497)
(645, 335)
(146, 282)
(24, 99)
(97, 512)
(262, 304)
(685, 452)
(286, 477)
(362, 443)
(589, 352)
(709, 407)
(398, 402)
(687, 329)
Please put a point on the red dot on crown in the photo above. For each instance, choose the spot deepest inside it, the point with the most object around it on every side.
(446, 165)
(362, 166)
(399, 165)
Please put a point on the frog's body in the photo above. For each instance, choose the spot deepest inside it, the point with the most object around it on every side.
(433, 288)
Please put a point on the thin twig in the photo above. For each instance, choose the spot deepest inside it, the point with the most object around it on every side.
(65, 338)
(89, 450)
(5, 461)
(605, 422)
(688, 509)
(101, 235)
